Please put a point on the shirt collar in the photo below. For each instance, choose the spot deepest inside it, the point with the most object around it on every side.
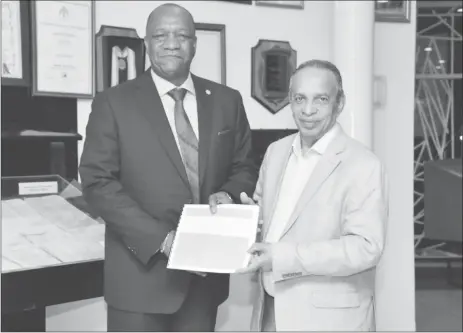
(318, 147)
(163, 86)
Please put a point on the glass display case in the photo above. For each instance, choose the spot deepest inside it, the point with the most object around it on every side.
(46, 222)
(52, 249)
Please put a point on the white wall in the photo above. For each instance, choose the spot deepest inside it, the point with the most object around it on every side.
(393, 143)
(309, 31)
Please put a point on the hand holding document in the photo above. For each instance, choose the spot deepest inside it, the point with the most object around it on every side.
(214, 243)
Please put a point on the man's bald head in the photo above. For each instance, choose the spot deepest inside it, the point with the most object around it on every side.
(170, 9)
(171, 42)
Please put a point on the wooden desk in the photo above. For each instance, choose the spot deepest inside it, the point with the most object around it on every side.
(26, 294)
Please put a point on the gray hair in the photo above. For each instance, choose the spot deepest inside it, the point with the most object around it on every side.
(323, 64)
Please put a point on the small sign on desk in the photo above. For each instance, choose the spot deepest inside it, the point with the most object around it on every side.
(32, 188)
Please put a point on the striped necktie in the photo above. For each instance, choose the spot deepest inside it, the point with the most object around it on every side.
(187, 141)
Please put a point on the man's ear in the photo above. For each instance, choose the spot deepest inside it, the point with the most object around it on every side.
(145, 40)
(194, 46)
(341, 103)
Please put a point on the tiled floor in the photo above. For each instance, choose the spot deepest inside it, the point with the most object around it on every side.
(439, 310)
(438, 305)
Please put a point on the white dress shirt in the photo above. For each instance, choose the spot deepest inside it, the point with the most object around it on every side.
(296, 175)
(189, 103)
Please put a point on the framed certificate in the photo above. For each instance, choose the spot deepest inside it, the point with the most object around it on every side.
(15, 43)
(63, 54)
(210, 58)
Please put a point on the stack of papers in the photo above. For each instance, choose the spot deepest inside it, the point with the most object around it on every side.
(47, 230)
(214, 243)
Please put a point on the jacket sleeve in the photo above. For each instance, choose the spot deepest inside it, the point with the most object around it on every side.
(99, 170)
(361, 243)
(243, 172)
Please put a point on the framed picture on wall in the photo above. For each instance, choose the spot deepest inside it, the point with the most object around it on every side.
(120, 56)
(63, 34)
(281, 3)
(273, 63)
(210, 59)
(392, 11)
(243, 2)
(15, 43)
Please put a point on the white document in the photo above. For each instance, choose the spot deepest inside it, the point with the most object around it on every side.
(214, 243)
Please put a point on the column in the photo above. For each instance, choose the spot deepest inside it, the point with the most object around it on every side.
(353, 55)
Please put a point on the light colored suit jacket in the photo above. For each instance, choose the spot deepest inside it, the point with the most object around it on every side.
(324, 263)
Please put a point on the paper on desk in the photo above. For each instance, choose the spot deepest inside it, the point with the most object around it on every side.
(18, 216)
(214, 243)
(67, 247)
(8, 265)
(27, 256)
(60, 212)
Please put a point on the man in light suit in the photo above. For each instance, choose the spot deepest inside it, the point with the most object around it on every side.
(142, 163)
(324, 205)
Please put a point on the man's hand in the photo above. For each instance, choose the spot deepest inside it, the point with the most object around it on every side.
(167, 244)
(245, 200)
(261, 259)
(218, 199)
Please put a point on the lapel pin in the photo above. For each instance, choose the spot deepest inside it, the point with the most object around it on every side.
(208, 92)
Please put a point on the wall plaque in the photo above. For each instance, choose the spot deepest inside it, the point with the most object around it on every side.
(120, 56)
(273, 62)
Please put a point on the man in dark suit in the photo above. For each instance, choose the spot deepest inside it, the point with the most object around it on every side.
(142, 161)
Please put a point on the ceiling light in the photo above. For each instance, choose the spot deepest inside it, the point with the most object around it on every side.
(459, 10)
(428, 49)
(441, 61)
(383, 1)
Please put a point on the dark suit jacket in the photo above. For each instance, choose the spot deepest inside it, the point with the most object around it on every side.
(133, 176)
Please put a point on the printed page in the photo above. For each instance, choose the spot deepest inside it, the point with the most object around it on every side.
(67, 247)
(44, 231)
(60, 212)
(18, 216)
(214, 243)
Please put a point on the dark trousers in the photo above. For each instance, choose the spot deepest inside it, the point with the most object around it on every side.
(268, 319)
(197, 314)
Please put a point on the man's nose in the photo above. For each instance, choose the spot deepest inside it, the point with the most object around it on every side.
(171, 42)
(309, 109)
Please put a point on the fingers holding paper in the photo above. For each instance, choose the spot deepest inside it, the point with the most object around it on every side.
(245, 200)
(219, 198)
(261, 259)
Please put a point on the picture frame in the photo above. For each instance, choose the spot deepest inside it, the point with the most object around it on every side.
(210, 58)
(242, 2)
(63, 48)
(16, 70)
(120, 56)
(273, 63)
(393, 11)
(282, 4)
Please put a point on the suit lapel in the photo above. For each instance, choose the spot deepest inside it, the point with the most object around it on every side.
(280, 173)
(151, 106)
(329, 161)
(204, 100)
